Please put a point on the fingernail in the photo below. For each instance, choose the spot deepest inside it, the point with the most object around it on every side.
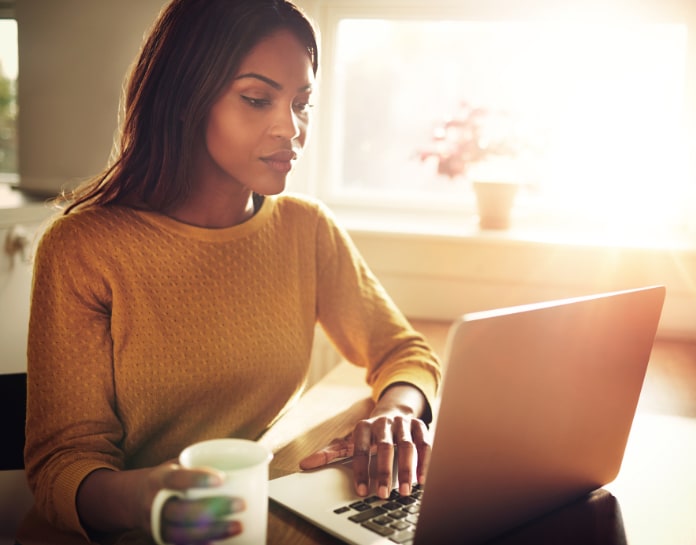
(212, 479)
(205, 481)
(383, 492)
(234, 528)
(405, 489)
(237, 505)
(362, 489)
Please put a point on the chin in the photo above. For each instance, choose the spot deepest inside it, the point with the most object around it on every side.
(267, 189)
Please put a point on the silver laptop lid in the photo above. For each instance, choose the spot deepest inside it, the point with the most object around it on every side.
(537, 405)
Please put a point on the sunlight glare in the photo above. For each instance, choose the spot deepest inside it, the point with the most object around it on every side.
(606, 101)
(8, 48)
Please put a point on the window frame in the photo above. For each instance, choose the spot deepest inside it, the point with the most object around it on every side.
(433, 215)
(7, 11)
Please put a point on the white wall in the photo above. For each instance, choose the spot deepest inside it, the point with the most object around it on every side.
(15, 284)
(441, 277)
(73, 58)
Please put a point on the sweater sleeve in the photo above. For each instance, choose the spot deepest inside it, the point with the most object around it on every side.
(72, 426)
(362, 320)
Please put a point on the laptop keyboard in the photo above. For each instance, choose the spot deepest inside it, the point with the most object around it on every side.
(394, 518)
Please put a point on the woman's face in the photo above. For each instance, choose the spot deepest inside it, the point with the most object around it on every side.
(258, 126)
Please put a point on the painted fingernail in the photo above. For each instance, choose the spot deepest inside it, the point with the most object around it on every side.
(234, 528)
(362, 489)
(210, 479)
(237, 505)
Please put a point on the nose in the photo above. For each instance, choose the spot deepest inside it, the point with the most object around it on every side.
(287, 123)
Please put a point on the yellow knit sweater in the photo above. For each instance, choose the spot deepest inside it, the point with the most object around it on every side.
(147, 335)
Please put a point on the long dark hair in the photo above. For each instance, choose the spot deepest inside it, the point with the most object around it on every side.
(193, 51)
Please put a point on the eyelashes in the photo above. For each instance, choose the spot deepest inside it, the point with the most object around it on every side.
(262, 103)
(302, 107)
(258, 103)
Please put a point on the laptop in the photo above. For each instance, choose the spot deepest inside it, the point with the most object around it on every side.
(535, 411)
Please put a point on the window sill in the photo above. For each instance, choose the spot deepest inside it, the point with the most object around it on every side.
(524, 229)
(440, 269)
(17, 206)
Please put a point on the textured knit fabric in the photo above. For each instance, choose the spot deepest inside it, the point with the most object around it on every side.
(147, 335)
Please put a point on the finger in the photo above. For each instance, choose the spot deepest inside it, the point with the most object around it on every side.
(204, 510)
(405, 454)
(179, 534)
(384, 439)
(362, 443)
(338, 448)
(423, 443)
(177, 478)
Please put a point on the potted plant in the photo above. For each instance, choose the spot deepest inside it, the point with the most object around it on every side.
(481, 145)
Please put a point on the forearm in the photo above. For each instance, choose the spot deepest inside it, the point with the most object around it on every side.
(401, 399)
(108, 501)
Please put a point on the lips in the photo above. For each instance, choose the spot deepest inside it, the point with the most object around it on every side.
(281, 155)
(281, 160)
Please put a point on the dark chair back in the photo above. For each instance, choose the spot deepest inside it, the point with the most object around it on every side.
(13, 406)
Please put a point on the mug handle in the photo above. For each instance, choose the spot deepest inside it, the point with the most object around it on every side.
(156, 512)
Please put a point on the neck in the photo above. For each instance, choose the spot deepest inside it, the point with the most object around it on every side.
(215, 213)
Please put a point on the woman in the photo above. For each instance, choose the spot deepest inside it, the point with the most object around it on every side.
(175, 299)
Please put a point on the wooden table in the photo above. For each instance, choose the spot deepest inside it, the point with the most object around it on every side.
(652, 501)
(329, 409)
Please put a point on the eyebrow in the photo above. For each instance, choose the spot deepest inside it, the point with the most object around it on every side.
(272, 83)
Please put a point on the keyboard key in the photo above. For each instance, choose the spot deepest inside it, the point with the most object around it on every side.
(367, 515)
(343, 509)
(379, 529)
(359, 506)
(402, 537)
(400, 525)
(400, 514)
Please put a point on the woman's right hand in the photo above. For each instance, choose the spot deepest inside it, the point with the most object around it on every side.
(188, 521)
(111, 501)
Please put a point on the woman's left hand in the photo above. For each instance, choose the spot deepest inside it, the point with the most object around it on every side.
(391, 427)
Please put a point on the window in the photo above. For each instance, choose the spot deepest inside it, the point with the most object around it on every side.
(597, 102)
(8, 100)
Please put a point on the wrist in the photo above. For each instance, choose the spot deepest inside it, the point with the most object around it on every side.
(105, 500)
(401, 399)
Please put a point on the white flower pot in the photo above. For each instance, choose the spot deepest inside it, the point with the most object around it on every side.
(495, 201)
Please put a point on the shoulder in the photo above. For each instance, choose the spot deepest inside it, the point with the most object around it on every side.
(303, 207)
(89, 219)
(316, 220)
(86, 229)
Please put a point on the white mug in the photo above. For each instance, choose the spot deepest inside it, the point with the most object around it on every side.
(245, 464)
